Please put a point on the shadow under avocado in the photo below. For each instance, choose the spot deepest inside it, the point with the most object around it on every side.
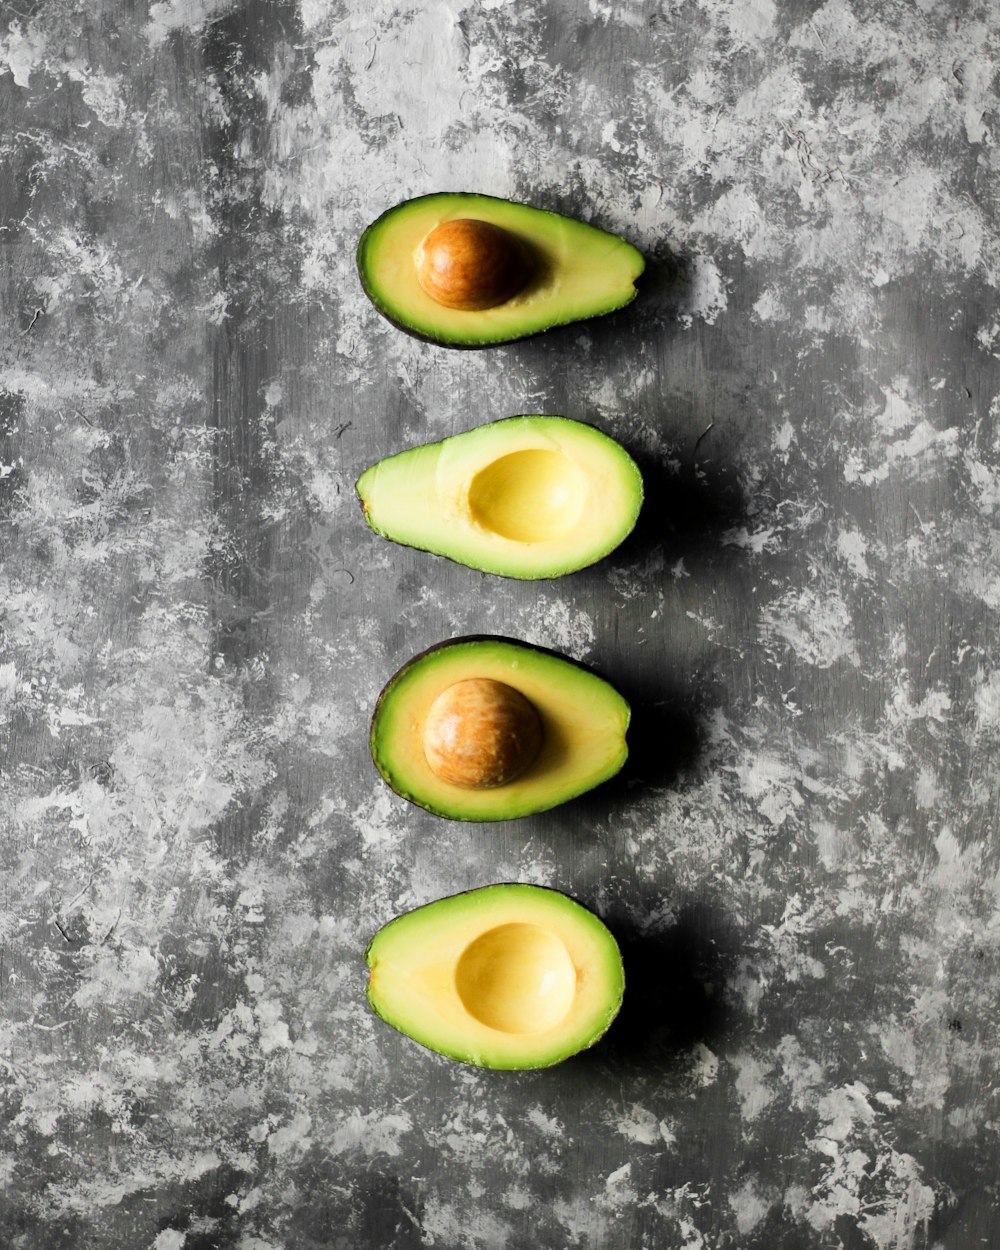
(664, 291)
(674, 988)
(686, 509)
(664, 735)
(668, 280)
(664, 741)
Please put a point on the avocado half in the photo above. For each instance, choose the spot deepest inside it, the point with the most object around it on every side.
(507, 976)
(525, 497)
(575, 270)
(583, 726)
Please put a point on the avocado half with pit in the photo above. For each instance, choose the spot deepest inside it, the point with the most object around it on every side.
(506, 976)
(466, 270)
(487, 728)
(525, 497)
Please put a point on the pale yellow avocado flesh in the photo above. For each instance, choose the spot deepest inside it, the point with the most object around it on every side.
(584, 723)
(507, 976)
(581, 270)
(526, 497)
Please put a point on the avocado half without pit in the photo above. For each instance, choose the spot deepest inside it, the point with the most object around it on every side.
(506, 976)
(469, 270)
(525, 497)
(487, 728)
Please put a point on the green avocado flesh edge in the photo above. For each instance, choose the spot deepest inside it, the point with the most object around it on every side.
(584, 722)
(581, 271)
(508, 976)
(525, 497)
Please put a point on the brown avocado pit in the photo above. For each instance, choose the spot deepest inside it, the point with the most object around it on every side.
(481, 733)
(471, 265)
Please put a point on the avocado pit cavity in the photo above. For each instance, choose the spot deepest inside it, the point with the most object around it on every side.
(480, 733)
(516, 978)
(471, 265)
(529, 496)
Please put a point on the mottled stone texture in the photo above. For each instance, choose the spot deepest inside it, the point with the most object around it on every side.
(801, 859)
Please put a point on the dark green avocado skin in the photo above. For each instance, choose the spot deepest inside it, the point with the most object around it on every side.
(409, 330)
